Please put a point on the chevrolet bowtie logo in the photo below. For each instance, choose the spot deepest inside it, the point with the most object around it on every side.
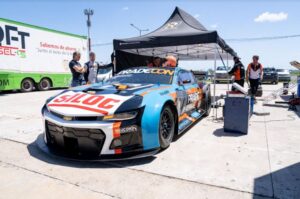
(68, 118)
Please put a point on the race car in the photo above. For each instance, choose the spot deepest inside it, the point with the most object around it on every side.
(136, 113)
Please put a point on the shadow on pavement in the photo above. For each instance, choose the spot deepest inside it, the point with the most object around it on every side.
(285, 183)
(50, 158)
(221, 133)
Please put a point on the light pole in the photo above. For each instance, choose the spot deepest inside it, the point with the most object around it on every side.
(140, 30)
(89, 12)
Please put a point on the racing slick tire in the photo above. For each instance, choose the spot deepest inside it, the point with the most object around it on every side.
(206, 105)
(166, 127)
(27, 85)
(44, 84)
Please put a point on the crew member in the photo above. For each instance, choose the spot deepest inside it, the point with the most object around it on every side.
(77, 70)
(155, 62)
(91, 68)
(254, 74)
(171, 61)
(238, 71)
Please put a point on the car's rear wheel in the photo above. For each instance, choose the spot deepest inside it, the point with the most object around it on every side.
(166, 127)
(207, 104)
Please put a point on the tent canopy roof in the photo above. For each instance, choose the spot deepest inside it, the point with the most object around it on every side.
(181, 35)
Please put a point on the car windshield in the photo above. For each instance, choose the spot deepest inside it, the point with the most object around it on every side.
(221, 68)
(268, 69)
(144, 76)
(104, 70)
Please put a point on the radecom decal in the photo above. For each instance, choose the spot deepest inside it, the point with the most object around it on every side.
(12, 41)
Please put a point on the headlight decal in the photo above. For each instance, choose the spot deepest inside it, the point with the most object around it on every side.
(121, 116)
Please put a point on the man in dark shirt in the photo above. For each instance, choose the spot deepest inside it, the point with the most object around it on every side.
(77, 70)
(238, 71)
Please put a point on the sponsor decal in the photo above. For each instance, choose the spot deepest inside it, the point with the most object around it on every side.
(156, 71)
(85, 104)
(4, 82)
(128, 129)
(13, 41)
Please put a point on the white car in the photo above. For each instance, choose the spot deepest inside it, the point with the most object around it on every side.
(222, 74)
(284, 75)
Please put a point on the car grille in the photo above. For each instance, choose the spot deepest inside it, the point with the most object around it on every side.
(221, 75)
(80, 118)
(76, 140)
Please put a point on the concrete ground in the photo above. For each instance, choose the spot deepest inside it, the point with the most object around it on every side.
(203, 163)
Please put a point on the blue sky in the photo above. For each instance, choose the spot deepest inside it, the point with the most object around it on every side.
(232, 19)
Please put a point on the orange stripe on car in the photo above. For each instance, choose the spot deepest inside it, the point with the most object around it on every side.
(153, 89)
(116, 134)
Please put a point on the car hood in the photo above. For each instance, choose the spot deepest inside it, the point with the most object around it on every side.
(98, 100)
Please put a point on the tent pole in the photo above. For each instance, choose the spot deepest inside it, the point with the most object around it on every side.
(215, 67)
(227, 71)
(115, 63)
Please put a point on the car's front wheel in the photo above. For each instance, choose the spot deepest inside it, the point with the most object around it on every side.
(166, 127)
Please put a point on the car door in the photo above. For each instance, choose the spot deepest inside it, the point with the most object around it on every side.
(187, 92)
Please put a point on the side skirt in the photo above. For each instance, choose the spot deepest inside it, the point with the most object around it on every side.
(187, 119)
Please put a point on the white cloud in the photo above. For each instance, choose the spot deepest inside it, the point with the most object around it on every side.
(214, 26)
(125, 8)
(196, 16)
(271, 17)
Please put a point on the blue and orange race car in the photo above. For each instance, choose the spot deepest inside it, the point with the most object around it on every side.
(135, 113)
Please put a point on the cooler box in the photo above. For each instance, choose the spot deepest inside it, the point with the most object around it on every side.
(237, 114)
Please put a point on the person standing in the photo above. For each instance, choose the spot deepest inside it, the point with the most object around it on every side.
(91, 68)
(171, 61)
(238, 70)
(77, 70)
(254, 74)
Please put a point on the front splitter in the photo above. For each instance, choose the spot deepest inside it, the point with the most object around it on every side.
(62, 155)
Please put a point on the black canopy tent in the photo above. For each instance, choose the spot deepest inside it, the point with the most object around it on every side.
(181, 35)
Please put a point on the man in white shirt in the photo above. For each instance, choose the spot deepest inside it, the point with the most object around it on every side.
(254, 74)
(92, 68)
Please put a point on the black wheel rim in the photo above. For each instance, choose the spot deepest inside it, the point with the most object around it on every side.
(45, 84)
(26, 85)
(166, 125)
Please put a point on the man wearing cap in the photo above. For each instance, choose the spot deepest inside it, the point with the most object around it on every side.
(238, 70)
(254, 74)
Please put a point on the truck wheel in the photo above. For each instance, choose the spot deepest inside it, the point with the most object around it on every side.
(44, 84)
(27, 85)
(166, 127)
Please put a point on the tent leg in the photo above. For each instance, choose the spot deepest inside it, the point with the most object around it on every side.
(214, 97)
(115, 63)
(227, 71)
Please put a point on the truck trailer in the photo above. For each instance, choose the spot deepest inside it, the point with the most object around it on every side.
(33, 57)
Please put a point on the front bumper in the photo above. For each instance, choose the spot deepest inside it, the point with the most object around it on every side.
(284, 78)
(93, 138)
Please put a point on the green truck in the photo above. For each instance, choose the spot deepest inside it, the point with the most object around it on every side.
(33, 57)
